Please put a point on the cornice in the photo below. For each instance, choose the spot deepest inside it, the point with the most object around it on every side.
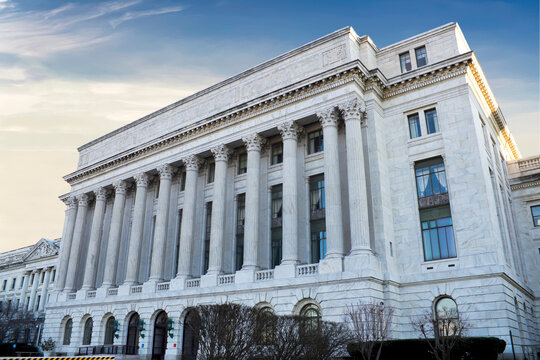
(525, 185)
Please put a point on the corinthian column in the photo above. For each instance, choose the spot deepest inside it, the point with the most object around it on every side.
(67, 237)
(78, 232)
(332, 184)
(352, 112)
(132, 270)
(115, 232)
(254, 144)
(192, 164)
(289, 134)
(45, 289)
(160, 233)
(217, 229)
(89, 281)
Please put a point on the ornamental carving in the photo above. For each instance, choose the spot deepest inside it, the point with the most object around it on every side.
(42, 250)
(254, 142)
(289, 130)
(141, 179)
(328, 117)
(120, 187)
(353, 109)
(101, 194)
(165, 171)
(71, 202)
(83, 200)
(192, 162)
(221, 152)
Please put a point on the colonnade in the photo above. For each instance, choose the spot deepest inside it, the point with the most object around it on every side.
(352, 113)
(31, 279)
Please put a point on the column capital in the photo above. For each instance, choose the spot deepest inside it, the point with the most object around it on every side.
(192, 162)
(82, 199)
(221, 152)
(71, 202)
(120, 187)
(254, 142)
(328, 117)
(165, 171)
(101, 194)
(141, 179)
(289, 130)
(353, 109)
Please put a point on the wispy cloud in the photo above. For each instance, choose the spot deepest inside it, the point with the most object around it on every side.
(138, 14)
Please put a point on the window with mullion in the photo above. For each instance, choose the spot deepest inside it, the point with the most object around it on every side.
(535, 211)
(318, 240)
(414, 126)
(421, 56)
(430, 178)
(211, 173)
(207, 236)
(276, 225)
(277, 153)
(405, 62)
(316, 192)
(315, 142)
(437, 233)
(242, 163)
(240, 221)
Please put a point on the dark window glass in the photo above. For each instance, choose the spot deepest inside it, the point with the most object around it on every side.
(312, 319)
(276, 232)
(178, 239)
(240, 222)
(315, 141)
(414, 126)
(277, 201)
(242, 163)
(87, 333)
(437, 233)
(430, 178)
(405, 61)
(211, 173)
(277, 153)
(316, 192)
(207, 236)
(132, 343)
(318, 240)
(432, 124)
(421, 56)
(277, 235)
(183, 181)
(535, 210)
(109, 331)
(4, 285)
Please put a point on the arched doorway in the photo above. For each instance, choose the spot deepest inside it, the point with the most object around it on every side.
(132, 343)
(190, 343)
(160, 337)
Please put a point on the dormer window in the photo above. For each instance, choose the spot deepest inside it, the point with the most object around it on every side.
(405, 61)
(421, 56)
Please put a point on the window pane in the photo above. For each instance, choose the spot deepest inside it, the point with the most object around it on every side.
(277, 153)
(427, 243)
(430, 178)
(414, 126)
(405, 61)
(431, 121)
(242, 163)
(315, 142)
(535, 210)
(421, 56)
(437, 234)
(277, 234)
(211, 172)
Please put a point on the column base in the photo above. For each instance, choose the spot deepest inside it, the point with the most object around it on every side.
(81, 294)
(331, 265)
(363, 263)
(178, 283)
(285, 271)
(125, 289)
(150, 286)
(101, 292)
(209, 280)
(245, 276)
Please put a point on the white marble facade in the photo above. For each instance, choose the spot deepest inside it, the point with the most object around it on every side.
(140, 235)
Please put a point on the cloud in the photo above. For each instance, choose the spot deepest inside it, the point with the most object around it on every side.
(138, 14)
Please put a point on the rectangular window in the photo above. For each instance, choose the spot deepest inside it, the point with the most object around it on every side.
(318, 240)
(4, 284)
(421, 56)
(414, 126)
(277, 153)
(179, 231)
(430, 178)
(242, 163)
(277, 230)
(53, 276)
(317, 217)
(535, 211)
(437, 233)
(13, 283)
(207, 236)
(240, 222)
(432, 125)
(183, 181)
(315, 141)
(158, 184)
(211, 173)
(316, 193)
(405, 61)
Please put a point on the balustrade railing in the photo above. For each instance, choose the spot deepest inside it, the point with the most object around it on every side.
(225, 279)
(136, 289)
(164, 286)
(193, 283)
(112, 292)
(306, 270)
(91, 294)
(264, 275)
(72, 296)
(529, 163)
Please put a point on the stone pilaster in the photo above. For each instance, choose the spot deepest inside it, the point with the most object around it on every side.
(67, 237)
(73, 265)
(217, 230)
(33, 292)
(45, 289)
(24, 290)
(166, 173)
(111, 263)
(89, 281)
(137, 225)
(332, 181)
(192, 164)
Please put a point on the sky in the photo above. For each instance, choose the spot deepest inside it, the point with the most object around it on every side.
(73, 71)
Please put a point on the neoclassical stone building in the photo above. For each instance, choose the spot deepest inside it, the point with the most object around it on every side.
(335, 173)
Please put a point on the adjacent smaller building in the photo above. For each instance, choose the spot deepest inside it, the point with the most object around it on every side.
(27, 278)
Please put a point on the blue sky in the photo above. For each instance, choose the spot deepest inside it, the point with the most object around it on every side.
(72, 71)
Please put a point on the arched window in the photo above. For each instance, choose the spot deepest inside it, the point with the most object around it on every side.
(109, 331)
(266, 326)
(312, 317)
(132, 344)
(67, 332)
(446, 314)
(87, 333)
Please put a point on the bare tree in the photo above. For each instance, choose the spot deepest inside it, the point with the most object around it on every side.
(283, 343)
(13, 322)
(442, 331)
(326, 342)
(370, 326)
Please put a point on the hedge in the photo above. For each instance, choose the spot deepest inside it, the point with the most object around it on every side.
(472, 348)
